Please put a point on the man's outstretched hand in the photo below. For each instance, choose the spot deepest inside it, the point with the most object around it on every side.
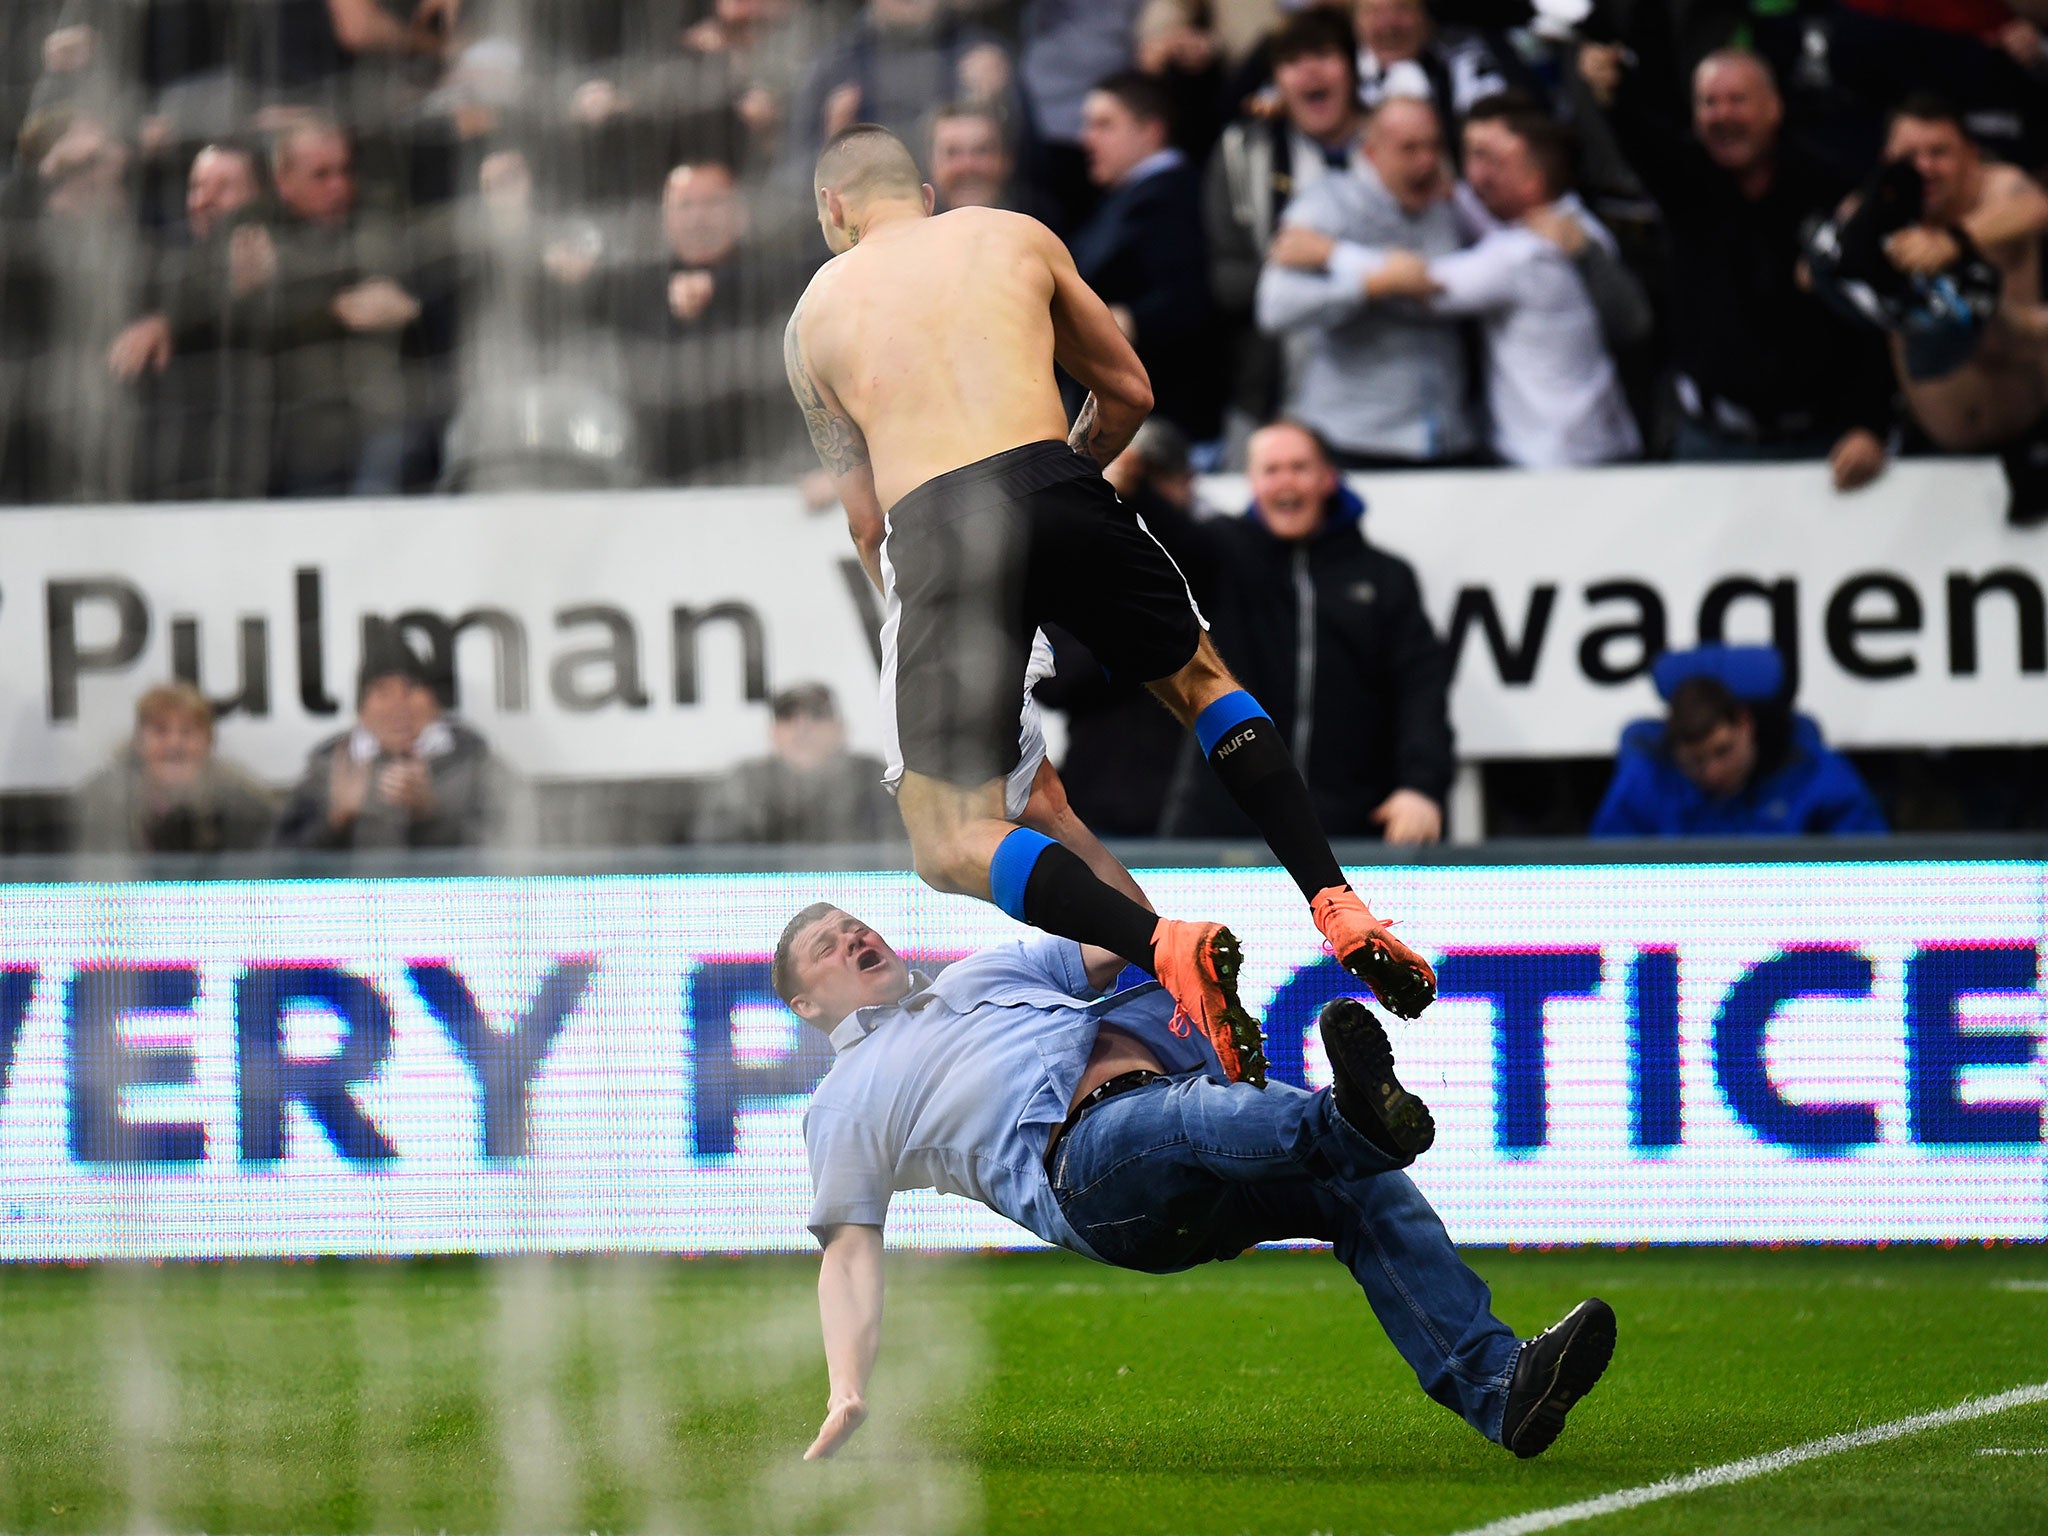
(843, 1415)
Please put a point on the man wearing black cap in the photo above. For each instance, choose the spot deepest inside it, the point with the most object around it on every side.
(405, 775)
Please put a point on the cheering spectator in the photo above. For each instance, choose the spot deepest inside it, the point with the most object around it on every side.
(1945, 249)
(1764, 369)
(811, 790)
(222, 182)
(1263, 162)
(898, 58)
(1381, 380)
(167, 792)
(406, 775)
(1400, 53)
(1730, 759)
(72, 272)
(206, 409)
(532, 290)
(540, 404)
(338, 310)
(1142, 250)
(1069, 46)
(1329, 634)
(367, 64)
(970, 162)
(703, 324)
(1552, 393)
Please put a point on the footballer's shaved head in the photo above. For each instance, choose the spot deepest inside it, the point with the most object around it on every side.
(865, 162)
(863, 169)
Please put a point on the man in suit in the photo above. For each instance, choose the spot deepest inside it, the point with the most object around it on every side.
(1144, 250)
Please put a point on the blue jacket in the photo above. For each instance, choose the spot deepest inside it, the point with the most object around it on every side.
(1814, 790)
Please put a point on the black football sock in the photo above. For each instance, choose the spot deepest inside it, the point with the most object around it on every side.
(1037, 881)
(1253, 764)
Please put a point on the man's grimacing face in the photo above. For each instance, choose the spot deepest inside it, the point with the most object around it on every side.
(841, 964)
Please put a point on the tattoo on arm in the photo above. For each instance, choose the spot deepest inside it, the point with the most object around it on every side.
(840, 444)
(1085, 439)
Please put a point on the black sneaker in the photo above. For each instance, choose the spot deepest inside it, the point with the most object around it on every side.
(1371, 1100)
(1554, 1370)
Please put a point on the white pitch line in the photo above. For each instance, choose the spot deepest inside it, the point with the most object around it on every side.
(2023, 1285)
(1760, 1466)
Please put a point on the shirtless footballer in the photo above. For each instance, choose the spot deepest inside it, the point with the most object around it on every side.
(922, 356)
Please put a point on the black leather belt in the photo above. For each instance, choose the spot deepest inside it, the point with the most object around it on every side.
(1102, 1093)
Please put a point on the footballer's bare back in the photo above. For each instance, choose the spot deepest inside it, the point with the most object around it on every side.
(934, 337)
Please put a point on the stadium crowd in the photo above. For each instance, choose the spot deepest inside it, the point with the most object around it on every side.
(276, 248)
(312, 247)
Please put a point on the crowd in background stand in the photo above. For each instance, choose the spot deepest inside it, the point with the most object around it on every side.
(325, 247)
(294, 247)
(406, 774)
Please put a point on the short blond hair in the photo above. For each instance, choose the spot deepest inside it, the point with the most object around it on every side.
(174, 700)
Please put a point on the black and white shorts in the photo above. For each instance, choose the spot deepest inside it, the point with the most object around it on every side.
(974, 561)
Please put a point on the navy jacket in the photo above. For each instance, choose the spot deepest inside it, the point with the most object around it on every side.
(1810, 789)
(1145, 249)
(1330, 636)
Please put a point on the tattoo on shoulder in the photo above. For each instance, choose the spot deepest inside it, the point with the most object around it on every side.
(840, 444)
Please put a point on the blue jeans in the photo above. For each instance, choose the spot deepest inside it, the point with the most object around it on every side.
(1177, 1173)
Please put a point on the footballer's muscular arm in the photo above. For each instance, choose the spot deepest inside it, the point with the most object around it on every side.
(1090, 346)
(850, 1309)
(842, 449)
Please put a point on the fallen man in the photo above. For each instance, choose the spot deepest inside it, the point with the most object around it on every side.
(1010, 1080)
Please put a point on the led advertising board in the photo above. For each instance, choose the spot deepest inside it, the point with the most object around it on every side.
(1667, 1053)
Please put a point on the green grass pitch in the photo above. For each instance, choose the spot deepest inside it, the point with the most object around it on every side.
(1031, 1393)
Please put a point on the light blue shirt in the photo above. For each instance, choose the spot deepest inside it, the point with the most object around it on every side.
(1166, 159)
(957, 1087)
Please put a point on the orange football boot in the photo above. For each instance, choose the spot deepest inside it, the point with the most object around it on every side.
(1399, 977)
(1198, 965)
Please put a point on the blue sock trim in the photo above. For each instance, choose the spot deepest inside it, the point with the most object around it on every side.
(1225, 716)
(1009, 871)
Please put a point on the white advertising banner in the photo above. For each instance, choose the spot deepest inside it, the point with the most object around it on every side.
(621, 636)
(1774, 1053)
(1911, 612)
(593, 636)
